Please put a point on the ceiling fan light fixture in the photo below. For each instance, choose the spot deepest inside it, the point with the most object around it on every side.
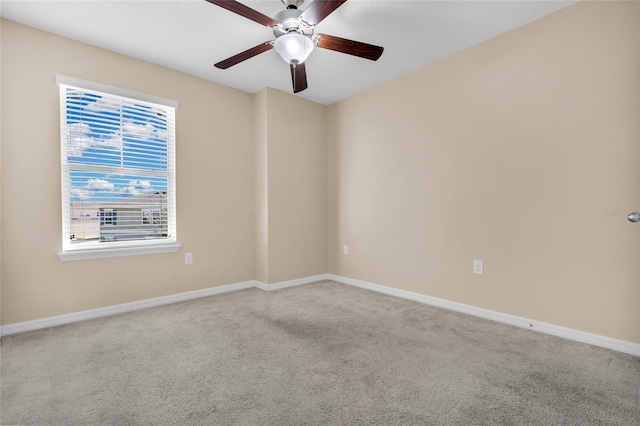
(294, 48)
(294, 36)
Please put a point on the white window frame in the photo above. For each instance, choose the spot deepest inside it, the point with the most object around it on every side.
(121, 248)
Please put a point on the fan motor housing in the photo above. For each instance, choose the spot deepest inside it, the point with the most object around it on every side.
(289, 22)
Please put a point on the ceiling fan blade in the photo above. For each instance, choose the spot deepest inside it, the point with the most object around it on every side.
(243, 56)
(350, 47)
(298, 77)
(320, 9)
(246, 11)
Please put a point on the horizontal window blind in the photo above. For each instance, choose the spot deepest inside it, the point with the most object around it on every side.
(118, 170)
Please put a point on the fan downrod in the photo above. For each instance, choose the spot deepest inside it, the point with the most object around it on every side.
(292, 4)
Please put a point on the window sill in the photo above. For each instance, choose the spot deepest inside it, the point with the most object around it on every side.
(118, 252)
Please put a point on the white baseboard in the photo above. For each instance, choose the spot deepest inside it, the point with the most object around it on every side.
(20, 327)
(555, 330)
(290, 283)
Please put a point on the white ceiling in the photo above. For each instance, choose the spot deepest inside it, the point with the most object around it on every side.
(192, 35)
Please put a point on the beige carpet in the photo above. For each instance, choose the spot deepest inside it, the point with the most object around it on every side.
(323, 353)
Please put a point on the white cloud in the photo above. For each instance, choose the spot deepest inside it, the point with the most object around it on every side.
(82, 194)
(103, 105)
(115, 143)
(78, 129)
(162, 134)
(138, 131)
(100, 185)
(136, 187)
(80, 141)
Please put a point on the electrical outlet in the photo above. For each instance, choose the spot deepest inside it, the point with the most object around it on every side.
(478, 267)
(345, 249)
(188, 258)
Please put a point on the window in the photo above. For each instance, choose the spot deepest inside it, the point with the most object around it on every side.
(118, 171)
(153, 216)
(108, 217)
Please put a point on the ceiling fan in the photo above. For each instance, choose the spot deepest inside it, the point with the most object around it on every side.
(295, 38)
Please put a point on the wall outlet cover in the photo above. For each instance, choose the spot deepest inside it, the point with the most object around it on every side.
(478, 267)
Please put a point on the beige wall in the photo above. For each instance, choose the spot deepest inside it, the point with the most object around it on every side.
(512, 152)
(261, 188)
(297, 187)
(636, 207)
(215, 181)
(291, 187)
(1, 22)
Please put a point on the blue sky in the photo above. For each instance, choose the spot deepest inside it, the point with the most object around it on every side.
(128, 138)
